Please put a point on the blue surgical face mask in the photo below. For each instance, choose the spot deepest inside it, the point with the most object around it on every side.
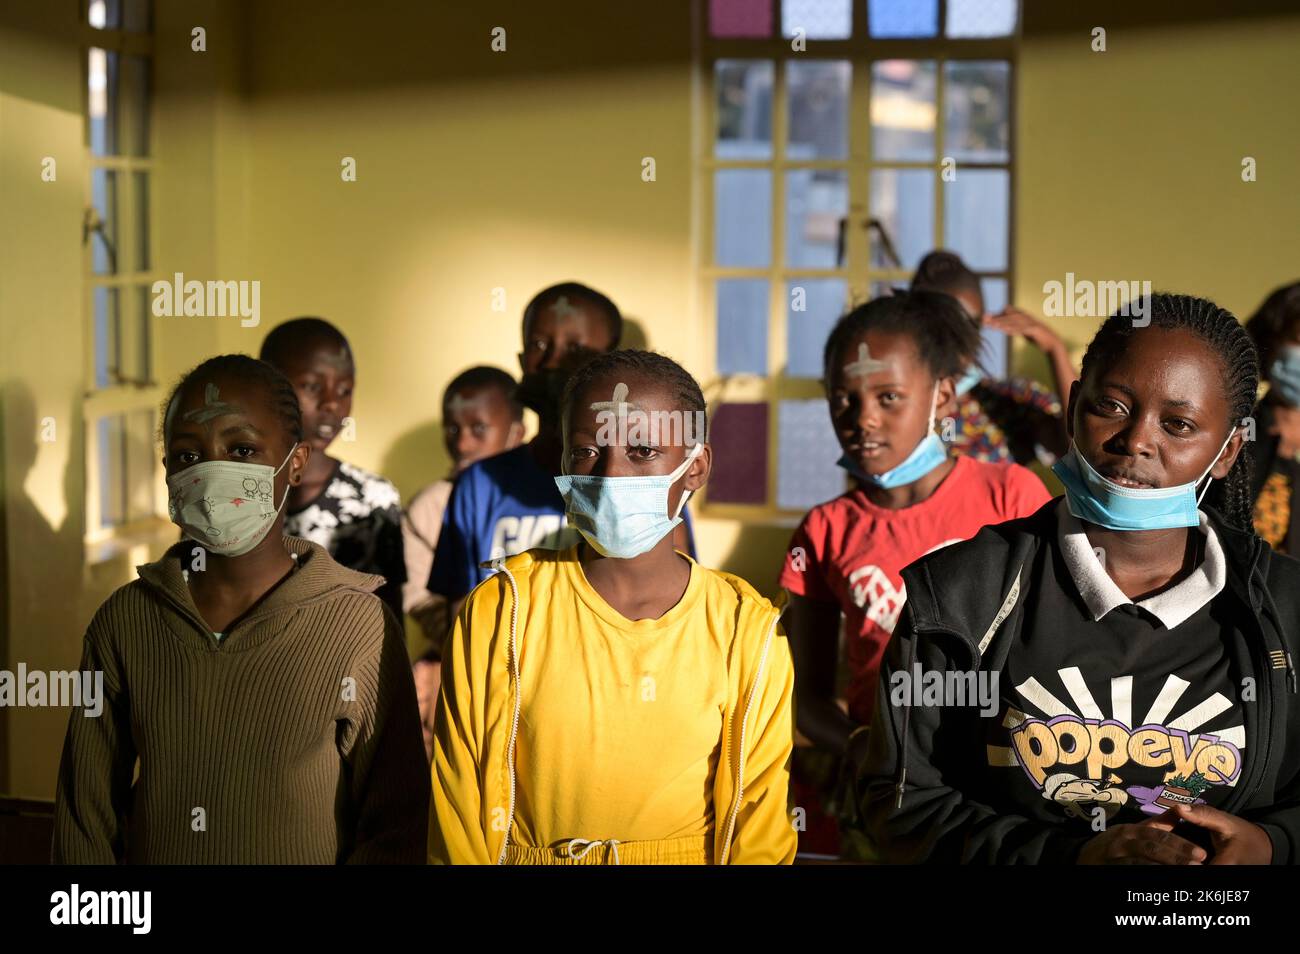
(925, 457)
(1093, 498)
(973, 376)
(623, 517)
(1284, 375)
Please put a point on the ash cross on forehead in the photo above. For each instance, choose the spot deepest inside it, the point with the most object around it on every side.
(620, 405)
(563, 310)
(213, 407)
(460, 403)
(865, 364)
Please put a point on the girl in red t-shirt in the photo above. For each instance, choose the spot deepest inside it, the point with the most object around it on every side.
(890, 370)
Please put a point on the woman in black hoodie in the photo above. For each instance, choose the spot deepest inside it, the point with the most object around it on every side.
(1109, 679)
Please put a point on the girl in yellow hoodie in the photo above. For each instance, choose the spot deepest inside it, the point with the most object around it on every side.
(616, 702)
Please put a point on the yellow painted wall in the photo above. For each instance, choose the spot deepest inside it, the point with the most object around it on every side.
(479, 170)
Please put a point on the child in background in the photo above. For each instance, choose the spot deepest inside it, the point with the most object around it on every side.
(1275, 329)
(890, 367)
(508, 503)
(261, 687)
(1146, 710)
(1015, 419)
(354, 514)
(480, 418)
(615, 702)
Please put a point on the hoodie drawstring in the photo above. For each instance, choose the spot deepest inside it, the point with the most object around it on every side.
(587, 846)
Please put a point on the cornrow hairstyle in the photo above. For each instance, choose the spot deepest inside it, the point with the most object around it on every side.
(946, 338)
(483, 377)
(245, 368)
(581, 292)
(646, 364)
(292, 336)
(944, 271)
(1274, 322)
(1231, 345)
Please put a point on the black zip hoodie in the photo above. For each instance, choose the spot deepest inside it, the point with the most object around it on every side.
(964, 608)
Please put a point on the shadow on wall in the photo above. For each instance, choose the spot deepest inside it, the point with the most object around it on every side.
(31, 603)
(758, 556)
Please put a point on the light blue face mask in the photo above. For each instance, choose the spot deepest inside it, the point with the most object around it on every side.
(973, 376)
(623, 517)
(1284, 375)
(1093, 498)
(925, 457)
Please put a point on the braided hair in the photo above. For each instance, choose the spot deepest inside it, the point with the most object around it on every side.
(283, 397)
(656, 367)
(1228, 340)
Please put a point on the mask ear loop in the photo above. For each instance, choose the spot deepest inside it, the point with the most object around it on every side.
(1206, 488)
(288, 486)
(680, 472)
(934, 408)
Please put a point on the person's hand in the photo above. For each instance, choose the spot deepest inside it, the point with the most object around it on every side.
(1149, 842)
(1235, 840)
(1039, 333)
(428, 676)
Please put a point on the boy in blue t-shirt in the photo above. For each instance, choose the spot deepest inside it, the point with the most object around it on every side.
(509, 503)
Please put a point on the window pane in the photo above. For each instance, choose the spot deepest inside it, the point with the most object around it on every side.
(740, 18)
(738, 433)
(139, 367)
(968, 18)
(883, 289)
(141, 182)
(976, 111)
(807, 450)
(812, 308)
(136, 16)
(112, 470)
(903, 110)
(744, 107)
(107, 337)
(819, 19)
(818, 107)
(742, 217)
(993, 354)
(104, 14)
(140, 452)
(742, 326)
(103, 241)
(902, 203)
(975, 211)
(133, 103)
(101, 80)
(903, 18)
(816, 208)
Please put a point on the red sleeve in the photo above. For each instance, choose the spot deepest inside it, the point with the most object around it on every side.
(1023, 493)
(804, 573)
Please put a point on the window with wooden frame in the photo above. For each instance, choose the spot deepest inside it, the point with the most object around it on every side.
(123, 471)
(840, 141)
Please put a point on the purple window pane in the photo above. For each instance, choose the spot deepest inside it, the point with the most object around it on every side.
(738, 433)
(740, 18)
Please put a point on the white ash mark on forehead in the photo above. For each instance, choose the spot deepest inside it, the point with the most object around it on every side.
(213, 407)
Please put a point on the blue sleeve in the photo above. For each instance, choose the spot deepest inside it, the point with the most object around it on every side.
(455, 560)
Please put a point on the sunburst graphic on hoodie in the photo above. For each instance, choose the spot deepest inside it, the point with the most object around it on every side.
(1083, 760)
